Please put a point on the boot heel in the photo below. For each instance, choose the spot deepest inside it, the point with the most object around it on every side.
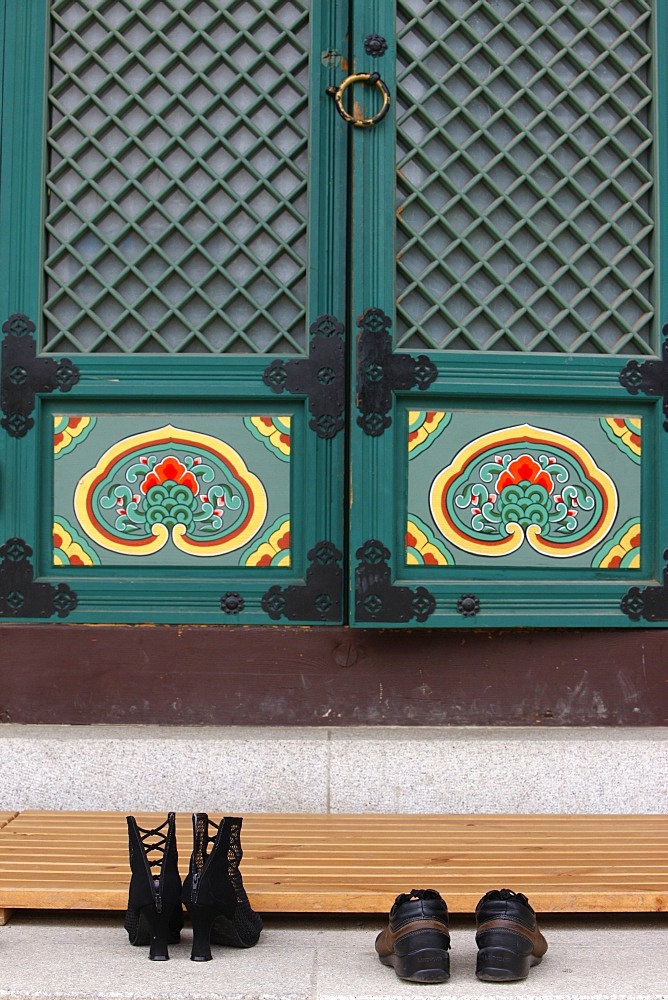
(500, 965)
(157, 925)
(202, 919)
(422, 957)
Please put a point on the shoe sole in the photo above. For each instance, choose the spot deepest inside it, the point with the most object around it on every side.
(427, 965)
(499, 966)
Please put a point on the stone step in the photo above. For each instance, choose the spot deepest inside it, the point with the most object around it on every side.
(88, 957)
(235, 770)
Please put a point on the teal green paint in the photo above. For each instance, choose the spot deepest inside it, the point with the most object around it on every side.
(525, 589)
(22, 57)
(375, 490)
(134, 388)
(328, 163)
(327, 260)
(660, 128)
(350, 267)
(3, 87)
(655, 544)
(21, 185)
(111, 428)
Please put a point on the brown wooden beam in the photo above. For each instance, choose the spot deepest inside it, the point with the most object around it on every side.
(230, 675)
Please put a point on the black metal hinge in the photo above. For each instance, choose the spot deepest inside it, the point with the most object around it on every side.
(20, 596)
(321, 376)
(650, 377)
(319, 599)
(380, 372)
(24, 375)
(650, 603)
(376, 600)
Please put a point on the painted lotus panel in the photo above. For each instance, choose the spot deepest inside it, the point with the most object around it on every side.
(171, 490)
(525, 492)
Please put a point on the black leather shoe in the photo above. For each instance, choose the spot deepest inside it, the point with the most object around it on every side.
(508, 937)
(417, 939)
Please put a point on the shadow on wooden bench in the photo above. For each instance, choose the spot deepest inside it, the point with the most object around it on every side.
(328, 863)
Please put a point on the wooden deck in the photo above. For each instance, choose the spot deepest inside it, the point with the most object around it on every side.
(338, 864)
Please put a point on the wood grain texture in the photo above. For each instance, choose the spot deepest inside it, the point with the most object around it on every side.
(331, 676)
(338, 863)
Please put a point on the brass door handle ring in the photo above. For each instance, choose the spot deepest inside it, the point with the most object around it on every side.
(372, 78)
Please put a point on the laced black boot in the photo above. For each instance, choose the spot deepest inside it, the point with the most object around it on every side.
(508, 936)
(213, 891)
(154, 915)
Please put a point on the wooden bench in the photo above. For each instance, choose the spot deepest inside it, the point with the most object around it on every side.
(342, 864)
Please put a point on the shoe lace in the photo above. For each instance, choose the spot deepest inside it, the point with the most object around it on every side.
(154, 845)
(405, 897)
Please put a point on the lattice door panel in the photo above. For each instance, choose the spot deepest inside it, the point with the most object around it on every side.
(525, 176)
(176, 214)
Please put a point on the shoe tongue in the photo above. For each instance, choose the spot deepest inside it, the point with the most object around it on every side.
(405, 897)
(505, 894)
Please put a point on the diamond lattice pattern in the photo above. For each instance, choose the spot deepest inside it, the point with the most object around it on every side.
(525, 192)
(177, 176)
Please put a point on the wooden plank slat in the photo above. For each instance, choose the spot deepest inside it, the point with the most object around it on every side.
(338, 863)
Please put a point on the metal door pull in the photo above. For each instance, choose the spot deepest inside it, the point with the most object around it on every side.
(372, 78)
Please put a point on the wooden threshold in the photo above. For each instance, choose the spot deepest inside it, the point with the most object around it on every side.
(262, 675)
(342, 864)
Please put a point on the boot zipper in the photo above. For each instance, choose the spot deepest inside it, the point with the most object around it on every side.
(158, 882)
(198, 856)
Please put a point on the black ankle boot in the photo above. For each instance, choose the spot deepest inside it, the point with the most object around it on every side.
(154, 915)
(213, 891)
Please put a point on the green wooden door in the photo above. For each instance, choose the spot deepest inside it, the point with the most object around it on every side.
(508, 424)
(265, 364)
(173, 352)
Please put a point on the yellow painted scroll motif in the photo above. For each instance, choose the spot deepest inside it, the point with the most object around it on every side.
(524, 484)
(173, 484)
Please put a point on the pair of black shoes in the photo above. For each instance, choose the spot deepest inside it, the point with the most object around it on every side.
(416, 942)
(212, 892)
